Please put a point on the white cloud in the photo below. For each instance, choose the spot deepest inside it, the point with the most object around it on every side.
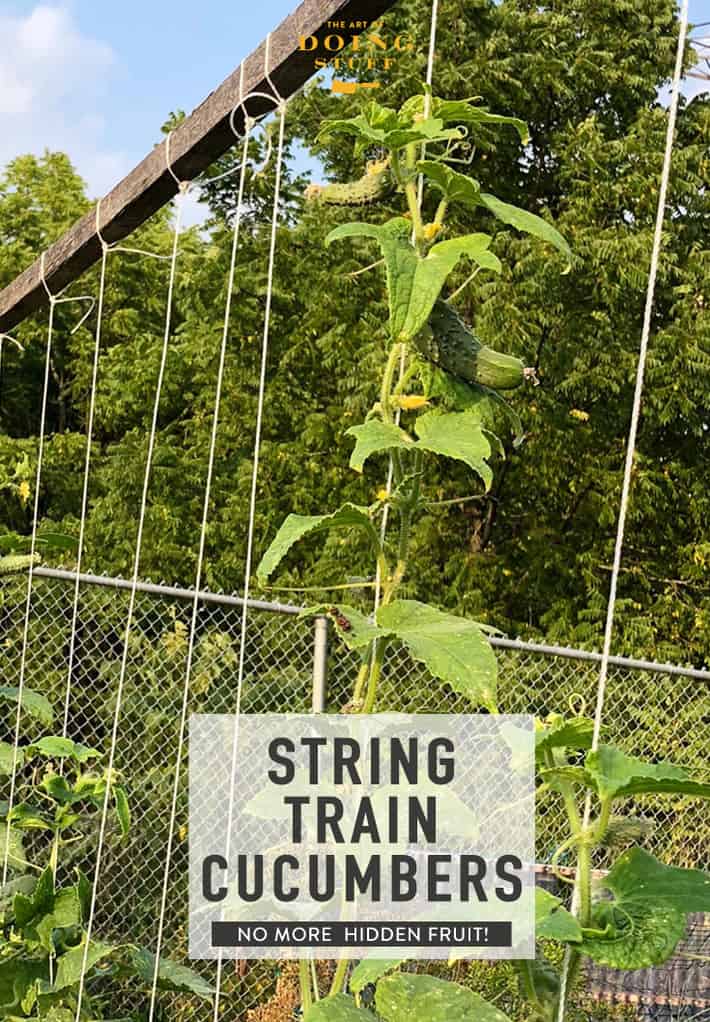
(52, 77)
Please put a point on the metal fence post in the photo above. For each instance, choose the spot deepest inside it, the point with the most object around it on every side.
(320, 663)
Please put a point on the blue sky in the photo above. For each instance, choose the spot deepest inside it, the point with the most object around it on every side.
(97, 78)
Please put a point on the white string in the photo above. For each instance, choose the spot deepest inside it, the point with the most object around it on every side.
(30, 577)
(252, 506)
(85, 484)
(631, 447)
(134, 582)
(420, 193)
(198, 576)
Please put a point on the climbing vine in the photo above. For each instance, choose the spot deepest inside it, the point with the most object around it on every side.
(442, 395)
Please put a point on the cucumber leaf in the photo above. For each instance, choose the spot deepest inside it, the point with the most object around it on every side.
(33, 703)
(453, 649)
(429, 999)
(528, 223)
(415, 282)
(370, 970)
(71, 963)
(553, 921)
(616, 775)
(386, 128)
(62, 748)
(8, 757)
(455, 187)
(457, 435)
(565, 734)
(171, 975)
(646, 916)
(339, 1008)
(295, 527)
(374, 437)
(488, 406)
(462, 111)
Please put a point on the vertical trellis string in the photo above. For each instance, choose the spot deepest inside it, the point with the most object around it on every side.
(134, 579)
(252, 500)
(30, 576)
(420, 192)
(87, 467)
(200, 558)
(631, 443)
(54, 300)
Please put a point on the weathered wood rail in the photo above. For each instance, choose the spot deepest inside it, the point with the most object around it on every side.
(195, 144)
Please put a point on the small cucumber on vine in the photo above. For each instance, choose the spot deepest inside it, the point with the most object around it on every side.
(10, 564)
(448, 343)
(375, 185)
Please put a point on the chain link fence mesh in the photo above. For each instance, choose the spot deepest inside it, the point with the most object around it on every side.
(649, 713)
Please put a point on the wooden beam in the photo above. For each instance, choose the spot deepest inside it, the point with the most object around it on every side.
(194, 145)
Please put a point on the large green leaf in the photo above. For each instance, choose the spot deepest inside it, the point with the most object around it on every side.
(63, 748)
(339, 1008)
(617, 775)
(17, 976)
(553, 921)
(370, 970)
(462, 111)
(33, 703)
(295, 527)
(415, 282)
(457, 435)
(171, 975)
(8, 758)
(490, 409)
(406, 996)
(375, 436)
(65, 911)
(638, 875)
(455, 187)
(70, 964)
(646, 915)
(453, 649)
(576, 733)
(529, 223)
(27, 908)
(387, 129)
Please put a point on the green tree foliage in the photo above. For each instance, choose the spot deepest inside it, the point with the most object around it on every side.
(532, 555)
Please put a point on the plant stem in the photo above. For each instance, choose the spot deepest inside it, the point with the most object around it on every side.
(375, 671)
(360, 681)
(339, 977)
(304, 976)
(387, 382)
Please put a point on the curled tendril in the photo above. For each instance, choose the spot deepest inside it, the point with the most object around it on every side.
(577, 704)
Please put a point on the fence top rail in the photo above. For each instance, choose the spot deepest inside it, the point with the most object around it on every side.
(194, 145)
(519, 645)
(171, 592)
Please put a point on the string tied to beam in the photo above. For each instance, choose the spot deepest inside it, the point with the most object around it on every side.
(137, 554)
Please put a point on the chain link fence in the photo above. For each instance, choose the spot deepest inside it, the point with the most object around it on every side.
(655, 711)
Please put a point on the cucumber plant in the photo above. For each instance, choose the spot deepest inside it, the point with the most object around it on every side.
(45, 902)
(446, 401)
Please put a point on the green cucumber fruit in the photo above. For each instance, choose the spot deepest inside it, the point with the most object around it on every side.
(11, 563)
(376, 184)
(447, 342)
